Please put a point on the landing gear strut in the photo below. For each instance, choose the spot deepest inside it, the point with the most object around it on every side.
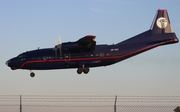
(32, 74)
(83, 69)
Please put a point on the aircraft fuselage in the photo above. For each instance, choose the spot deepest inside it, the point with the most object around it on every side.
(103, 55)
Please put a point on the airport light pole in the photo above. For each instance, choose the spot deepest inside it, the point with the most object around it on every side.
(115, 103)
(20, 104)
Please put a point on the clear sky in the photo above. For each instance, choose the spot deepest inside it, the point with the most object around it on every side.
(29, 24)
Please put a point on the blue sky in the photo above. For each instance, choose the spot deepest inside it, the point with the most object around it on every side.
(27, 25)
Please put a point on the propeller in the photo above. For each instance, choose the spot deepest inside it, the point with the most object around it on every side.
(59, 40)
(55, 43)
(59, 45)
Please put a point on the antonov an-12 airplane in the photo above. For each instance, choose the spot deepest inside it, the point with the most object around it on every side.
(84, 53)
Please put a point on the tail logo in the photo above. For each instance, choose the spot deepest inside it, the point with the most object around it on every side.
(162, 22)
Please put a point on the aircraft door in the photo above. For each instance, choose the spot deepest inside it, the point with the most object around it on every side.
(67, 57)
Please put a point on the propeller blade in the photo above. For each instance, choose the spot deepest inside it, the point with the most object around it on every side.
(55, 42)
(59, 40)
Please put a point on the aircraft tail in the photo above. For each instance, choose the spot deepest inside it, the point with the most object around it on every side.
(160, 32)
(161, 22)
(161, 28)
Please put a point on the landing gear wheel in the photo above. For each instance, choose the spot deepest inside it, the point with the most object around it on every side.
(32, 74)
(79, 70)
(86, 70)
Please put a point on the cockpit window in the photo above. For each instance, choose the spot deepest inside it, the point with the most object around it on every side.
(22, 55)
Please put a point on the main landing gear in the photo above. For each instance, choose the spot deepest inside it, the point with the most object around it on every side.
(83, 69)
(32, 74)
(79, 71)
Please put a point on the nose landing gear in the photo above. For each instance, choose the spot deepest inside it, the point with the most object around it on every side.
(32, 74)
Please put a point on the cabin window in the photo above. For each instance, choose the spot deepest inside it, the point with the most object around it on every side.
(22, 56)
(91, 54)
(23, 59)
(45, 57)
(101, 54)
(107, 54)
(97, 55)
(66, 57)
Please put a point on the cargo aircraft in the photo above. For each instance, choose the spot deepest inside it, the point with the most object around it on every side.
(84, 53)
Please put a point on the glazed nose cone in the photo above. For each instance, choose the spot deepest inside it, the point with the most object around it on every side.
(8, 63)
(12, 63)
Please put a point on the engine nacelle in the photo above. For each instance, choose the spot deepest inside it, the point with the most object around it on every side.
(70, 47)
(86, 43)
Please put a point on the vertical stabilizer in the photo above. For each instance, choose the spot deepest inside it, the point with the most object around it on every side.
(161, 23)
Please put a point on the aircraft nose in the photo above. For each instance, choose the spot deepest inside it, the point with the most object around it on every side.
(7, 62)
(10, 63)
(13, 63)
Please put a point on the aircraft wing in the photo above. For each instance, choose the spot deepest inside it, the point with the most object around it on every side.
(84, 44)
(87, 42)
